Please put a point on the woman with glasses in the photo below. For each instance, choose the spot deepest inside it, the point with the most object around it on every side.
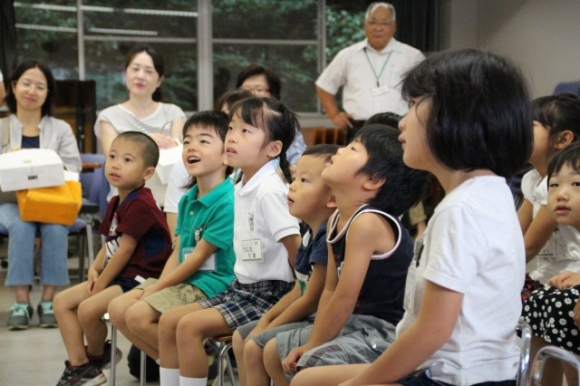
(30, 97)
(264, 82)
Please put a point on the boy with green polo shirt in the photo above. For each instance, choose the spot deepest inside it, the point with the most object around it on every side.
(202, 264)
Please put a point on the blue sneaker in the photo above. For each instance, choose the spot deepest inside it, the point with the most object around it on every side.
(20, 316)
(46, 316)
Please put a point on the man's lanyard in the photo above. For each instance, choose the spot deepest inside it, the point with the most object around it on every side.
(378, 77)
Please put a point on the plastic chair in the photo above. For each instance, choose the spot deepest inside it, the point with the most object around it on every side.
(554, 352)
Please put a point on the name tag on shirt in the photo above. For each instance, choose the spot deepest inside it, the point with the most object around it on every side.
(252, 250)
(209, 264)
(409, 300)
(548, 253)
(376, 91)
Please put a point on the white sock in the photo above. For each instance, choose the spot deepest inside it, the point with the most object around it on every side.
(168, 377)
(184, 381)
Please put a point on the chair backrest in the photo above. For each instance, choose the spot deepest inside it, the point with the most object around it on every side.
(557, 353)
(95, 185)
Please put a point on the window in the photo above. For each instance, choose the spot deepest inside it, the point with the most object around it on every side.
(280, 34)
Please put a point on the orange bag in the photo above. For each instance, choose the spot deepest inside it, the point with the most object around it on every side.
(54, 205)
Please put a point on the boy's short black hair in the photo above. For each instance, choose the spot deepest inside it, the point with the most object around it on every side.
(229, 98)
(149, 149)
(322, 150)
(570, 155)
(389, 119)
(214, 120)
(480, 110)
(404, 187)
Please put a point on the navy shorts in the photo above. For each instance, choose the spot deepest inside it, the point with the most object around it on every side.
(125, 284)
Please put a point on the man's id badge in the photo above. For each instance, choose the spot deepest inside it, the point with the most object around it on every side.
(252, 250)
(209, 264)
(376, 91)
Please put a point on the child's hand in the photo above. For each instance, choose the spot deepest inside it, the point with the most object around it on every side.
(92, 276)
(572, 281)
(577, 313)
(98, 286)
(289, 363)
(148, 291)
(560, 280)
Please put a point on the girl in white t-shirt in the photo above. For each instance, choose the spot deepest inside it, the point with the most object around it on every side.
(462, 297)
(266, 239)
(556, 124)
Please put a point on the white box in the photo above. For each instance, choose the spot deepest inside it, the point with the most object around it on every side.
(168, 158)
(30, 168)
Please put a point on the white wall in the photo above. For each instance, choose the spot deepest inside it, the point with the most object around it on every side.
(542, 36)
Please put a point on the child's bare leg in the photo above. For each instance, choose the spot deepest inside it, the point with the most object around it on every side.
(90, 314)
(191, 331)
(327, 375)
(65, 305)
(119, 309)
(571, 375)
(238, 347)
(168, 356)
(254, 359)
(143, 323)
(273, 364)
(553, 373)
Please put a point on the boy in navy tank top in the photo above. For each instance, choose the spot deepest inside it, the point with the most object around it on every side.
(369, 254)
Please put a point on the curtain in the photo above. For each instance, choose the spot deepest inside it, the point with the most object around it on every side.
(419, 23)
(7, 38)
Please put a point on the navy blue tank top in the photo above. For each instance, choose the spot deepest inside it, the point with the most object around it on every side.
(383, 288)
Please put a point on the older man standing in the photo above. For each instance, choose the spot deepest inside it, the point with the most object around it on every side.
(370, 71)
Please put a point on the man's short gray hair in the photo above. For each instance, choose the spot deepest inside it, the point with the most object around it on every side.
(378, 4)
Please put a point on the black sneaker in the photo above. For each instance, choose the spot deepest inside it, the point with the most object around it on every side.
(87, 375)
(46, 318)
(20, 314)
(104, 361)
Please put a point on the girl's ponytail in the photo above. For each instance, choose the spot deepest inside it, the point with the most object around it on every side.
(285, 167)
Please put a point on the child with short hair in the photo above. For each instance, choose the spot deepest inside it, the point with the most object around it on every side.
(468, 109)
(266, 239)
(202, 264)
(136, 248)
(552, 309)
(369, 253)
(310, 200)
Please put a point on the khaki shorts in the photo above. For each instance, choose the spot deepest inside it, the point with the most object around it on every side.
(172, 297)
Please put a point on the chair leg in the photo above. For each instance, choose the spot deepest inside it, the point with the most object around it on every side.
(90, 245)
(223, 355)
(82, 257)
(113, 375)
(142, 369)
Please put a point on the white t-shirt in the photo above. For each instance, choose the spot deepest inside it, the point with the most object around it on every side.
(123, 119)
(562, 250)
(473, 245)
(178, 178)
(262, 219)
(351, 68)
